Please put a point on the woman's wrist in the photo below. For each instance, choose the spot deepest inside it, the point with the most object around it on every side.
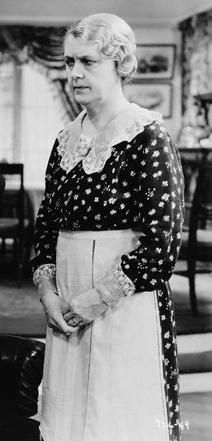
(44, 272)
(43, 293)
(46, 287)
(114, 287)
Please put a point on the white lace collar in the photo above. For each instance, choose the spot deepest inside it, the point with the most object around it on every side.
(74, 146)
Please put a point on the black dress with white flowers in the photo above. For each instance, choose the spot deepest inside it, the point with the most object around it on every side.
(133, 181)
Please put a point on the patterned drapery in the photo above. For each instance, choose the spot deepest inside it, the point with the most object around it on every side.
(196, 63)
(43, 47)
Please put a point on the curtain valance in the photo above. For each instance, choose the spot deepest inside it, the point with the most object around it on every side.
(42, 46)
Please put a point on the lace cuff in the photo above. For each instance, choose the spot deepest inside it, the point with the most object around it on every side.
(125, 282)
(115, 287)
(47, 271)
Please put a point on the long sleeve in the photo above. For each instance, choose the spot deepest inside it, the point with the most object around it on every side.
(47, 222)
(159, 196)
(146, 196)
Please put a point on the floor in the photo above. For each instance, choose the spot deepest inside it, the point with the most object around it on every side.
(196, 411)
(196, 391)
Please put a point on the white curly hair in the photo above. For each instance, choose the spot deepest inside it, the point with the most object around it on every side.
(114, 37)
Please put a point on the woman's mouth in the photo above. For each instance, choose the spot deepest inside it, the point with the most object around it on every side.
(79, 88)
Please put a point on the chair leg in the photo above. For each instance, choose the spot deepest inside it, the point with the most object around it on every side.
(193, 298)
(3, 247)
(15, 250)
(28, 242)
(192, 287)
(20, 263)
(20, 275)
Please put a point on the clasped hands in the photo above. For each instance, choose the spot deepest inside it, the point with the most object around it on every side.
(69, 317)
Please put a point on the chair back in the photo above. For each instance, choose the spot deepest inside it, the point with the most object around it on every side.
(190, 171)
(16, 218)
(2, 184)
(201, 210)
(12, 200)
(197, 231)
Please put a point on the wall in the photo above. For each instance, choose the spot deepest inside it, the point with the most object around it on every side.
(165, 35)
(144, 34)
(134, 11)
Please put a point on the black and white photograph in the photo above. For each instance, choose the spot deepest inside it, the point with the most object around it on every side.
(156, 61)
(151, 95)
(105, 220)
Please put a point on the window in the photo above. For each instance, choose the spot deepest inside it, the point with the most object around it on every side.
(6, 110)
(30, 120)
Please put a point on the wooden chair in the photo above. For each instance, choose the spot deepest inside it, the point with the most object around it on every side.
(197, 238)
(16, 226)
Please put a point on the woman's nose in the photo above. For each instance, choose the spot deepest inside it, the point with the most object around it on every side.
(77, 74)
(77, 71)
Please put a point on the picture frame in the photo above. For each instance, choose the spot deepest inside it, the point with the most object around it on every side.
(155, 61)
(156, 96)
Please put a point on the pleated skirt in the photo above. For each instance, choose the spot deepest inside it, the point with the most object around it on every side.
(104, 382)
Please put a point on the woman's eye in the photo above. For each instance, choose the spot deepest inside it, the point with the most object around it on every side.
(69, 62)
(89, 62)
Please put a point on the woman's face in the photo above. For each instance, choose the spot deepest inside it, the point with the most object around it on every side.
(92, 77)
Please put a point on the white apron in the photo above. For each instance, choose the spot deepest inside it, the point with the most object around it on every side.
(104, 382)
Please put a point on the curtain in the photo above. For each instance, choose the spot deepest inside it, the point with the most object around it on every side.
(196, 63)
(42, 46)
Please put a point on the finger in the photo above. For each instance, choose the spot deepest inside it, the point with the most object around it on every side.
(71, 316)
(64, 326)
(50, 325)
(80, 322)
(73, 330)
(68, 316)
(59, 329)
(66, 309)
(73, 324)
(75, 318)
(74, 321)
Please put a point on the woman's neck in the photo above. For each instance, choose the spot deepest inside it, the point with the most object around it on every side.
(99, 116)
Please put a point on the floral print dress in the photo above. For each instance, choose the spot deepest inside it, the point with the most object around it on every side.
(128, 177)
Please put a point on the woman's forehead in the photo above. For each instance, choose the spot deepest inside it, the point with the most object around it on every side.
(80, 47)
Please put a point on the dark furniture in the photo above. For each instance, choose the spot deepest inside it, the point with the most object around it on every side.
(196, 154)
(21, 370)
(197, 231)
(16, 218)
(2, 184)
(192, 158)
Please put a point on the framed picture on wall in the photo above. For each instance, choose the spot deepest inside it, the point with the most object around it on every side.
(155, 61)
(151, 95)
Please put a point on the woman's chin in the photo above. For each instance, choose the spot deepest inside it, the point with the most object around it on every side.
(82, 100)
(81, 95)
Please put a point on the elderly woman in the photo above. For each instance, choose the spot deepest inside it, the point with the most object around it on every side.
(107, 237)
